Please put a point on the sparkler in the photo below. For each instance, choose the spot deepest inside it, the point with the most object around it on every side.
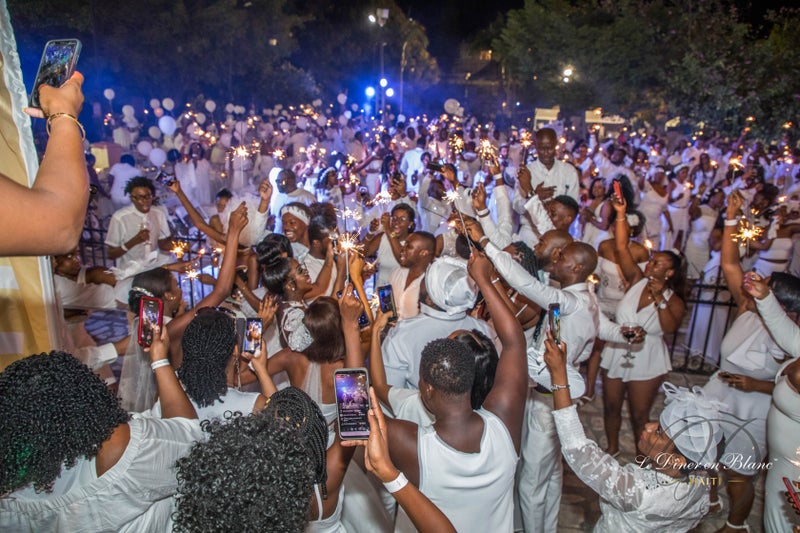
(526, 140)
(456, 144)
(486, 151)
(349, 243)
(747, 233)
(383, 199)
(179, 248)
(278, 154)
(452, 198)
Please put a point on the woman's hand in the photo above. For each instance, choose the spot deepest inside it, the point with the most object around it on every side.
(755, 286)
(381, 319)
(734, 205)
(267, 310)
(174, 186)
(555, 357)
(618, 204)
(374, 225)
(376, 449)
(259, 359)
(739, 381)
(349, 305)
(386, 223)
(159, 349)
(479, 197)
(65, 99)
(238, 219)
(480, 268)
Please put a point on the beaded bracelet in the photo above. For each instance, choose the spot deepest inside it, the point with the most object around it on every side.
(50, 119)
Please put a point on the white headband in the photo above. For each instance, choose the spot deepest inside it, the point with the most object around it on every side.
(296, 212)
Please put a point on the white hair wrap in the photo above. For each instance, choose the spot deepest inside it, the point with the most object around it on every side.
(692, 421)
(296, 212)
(633, 219)
(449, 285)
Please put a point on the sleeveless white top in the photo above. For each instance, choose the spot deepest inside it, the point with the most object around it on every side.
(331, 524)
(474, 490)
(386, 261)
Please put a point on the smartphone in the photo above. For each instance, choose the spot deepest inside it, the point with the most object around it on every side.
(554, 319)
(352, 402)
(57, 65)
(363, 320)
(617, 189)
(165, 179)
(151, 314)
(792, 494)
(252, 335)
(725, 375)
(386, 300)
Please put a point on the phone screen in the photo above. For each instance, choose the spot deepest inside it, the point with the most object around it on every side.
(252, 335)
(554, 316)
(352, 402)
(150, 315)
(363, 320)
(617, 189)
(57, 65)
(386, 299)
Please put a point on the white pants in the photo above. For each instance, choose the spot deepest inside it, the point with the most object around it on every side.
(540, 471)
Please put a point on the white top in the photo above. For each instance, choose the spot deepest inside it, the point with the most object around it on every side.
(406, 299)
(651, 357)
(331, 524)
(631, 498)
(127, 222)
(781, 327)
(386, 261)
(474, 490)
(79, 294)
(406, 404)
(122, 172)
(651, 206)
(402, 347)
(562, 176)
(134, 495)
(232, 401)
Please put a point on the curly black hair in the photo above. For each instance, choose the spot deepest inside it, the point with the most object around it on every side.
(448, 365)
(253, 474)
(140, 181)
(53, 411)
(208, 344)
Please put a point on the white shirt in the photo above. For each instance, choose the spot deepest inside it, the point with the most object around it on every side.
(402, 347)
(562, 176)
(412, 162)
(122, 172)
(127, 222)
(79, 294)
(406, 299)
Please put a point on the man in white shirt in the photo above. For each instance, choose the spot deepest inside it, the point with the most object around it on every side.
(549, 176)
(286, 181)
(412, 163)
(416, 255)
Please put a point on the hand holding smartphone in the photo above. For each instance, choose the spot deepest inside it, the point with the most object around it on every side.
(150, 315)
(554, 319)
(618, 190)
(386, 300)
(251, 342)
(56, 66)
(352, 402)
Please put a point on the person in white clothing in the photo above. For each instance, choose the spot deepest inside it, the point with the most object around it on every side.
(418, 252)
(286, 182)
(118, 176)
(465, 462)
(412, 166)
(114, 472)
(549, 176)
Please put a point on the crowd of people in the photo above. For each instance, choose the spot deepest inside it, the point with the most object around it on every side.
(488, 280)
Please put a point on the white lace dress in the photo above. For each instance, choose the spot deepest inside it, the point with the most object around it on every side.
(631, 498)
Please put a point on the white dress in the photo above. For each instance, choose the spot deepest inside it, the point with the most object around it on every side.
(132, 496)
(783, 428)
(707, 325)
(779, 255)
(386, 261)
(697, 249)
(474, 490)
(137, 384)
(232, 401)
(749, 350)
(652, 206)
(632, 498)
(592, 235)
(612, 285)
(651, 357)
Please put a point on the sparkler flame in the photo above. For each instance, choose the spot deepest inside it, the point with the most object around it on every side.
(486, 149)
(747, 233)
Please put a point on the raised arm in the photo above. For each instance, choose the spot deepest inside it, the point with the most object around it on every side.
(729, 256)
(622, 231)
(47, 218)
(377, 372)
(194, 215)
(507, 397)
(173, 399)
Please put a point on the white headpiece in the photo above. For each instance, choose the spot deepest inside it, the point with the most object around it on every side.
(633, 219)
(692, 422)
(449, 286)
(297, 212)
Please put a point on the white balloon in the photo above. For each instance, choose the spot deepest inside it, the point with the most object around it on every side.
(391, 117)
(158, 112)
(348, 114)
(167, 125)
(109, 94)
(239, 109)
(321, 121)
(144, 148)
(342, 98)
(278, 107)
(200, 118)
(157, 156)
(317, 102)
(127, 110)
(354, 107)
(211, 105)
(401, 118)
(268, 112)
(229, 108)
(168, 104)
(154, 132)
(225, 139)
(155, 103)
(302, 122)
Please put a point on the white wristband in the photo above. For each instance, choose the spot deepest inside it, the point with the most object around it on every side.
(124, 248)
(731, 222)
(397, 484)
(158, 364)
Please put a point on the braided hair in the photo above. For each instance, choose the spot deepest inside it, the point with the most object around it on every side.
(208, 344)
(296, 407)
(53, 411)
(526, 258)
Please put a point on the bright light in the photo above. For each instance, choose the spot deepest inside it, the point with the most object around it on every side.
(389, 92)
(384, 82)
(370, 92)
(565, 80)
(372, 18)
(567, 72)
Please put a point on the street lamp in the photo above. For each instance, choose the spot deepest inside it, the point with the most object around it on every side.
(384, 82)
(370, 92)
(389, 92)
(380, 17)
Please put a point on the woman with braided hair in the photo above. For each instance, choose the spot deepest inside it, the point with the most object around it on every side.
(71, 459)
